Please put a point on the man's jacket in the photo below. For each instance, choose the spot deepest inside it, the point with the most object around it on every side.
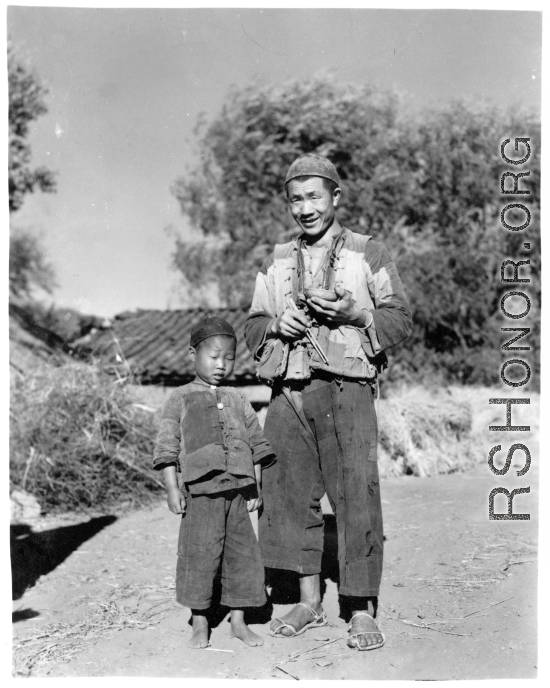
(364, 267)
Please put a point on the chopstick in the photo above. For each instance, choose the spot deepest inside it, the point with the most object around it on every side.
(310, 335)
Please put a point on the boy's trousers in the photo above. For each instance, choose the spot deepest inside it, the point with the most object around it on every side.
(324, 434)
(217, 529)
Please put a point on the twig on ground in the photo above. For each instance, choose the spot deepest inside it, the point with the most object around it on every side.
(461, 581)
(463, 618)
(439, 630)
(295, 655)
(516, 542)
(515, 563)
(299, 659)
(311, 649)
(286, 672)
(488, 607)
(524, 544)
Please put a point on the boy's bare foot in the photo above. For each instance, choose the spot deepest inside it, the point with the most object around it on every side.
(199, 638)
(298, 617)
(240, 630)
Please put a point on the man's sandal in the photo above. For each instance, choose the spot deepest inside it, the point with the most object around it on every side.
(318, 620)
(356, 635)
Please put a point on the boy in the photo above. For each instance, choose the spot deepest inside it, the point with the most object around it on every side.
(211, 436)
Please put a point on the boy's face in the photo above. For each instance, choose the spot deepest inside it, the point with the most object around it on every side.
(214, 358)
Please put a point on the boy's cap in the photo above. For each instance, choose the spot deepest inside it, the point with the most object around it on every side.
(312, 165)
(210, 326)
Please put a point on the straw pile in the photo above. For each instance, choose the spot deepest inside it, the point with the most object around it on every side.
(79, 441)
(424, 433)
(63, 641)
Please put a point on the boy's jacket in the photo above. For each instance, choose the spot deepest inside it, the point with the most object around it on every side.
(206, 441)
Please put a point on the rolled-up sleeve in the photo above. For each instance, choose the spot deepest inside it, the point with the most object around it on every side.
(262, 310)
(168, 444)
(255, 332)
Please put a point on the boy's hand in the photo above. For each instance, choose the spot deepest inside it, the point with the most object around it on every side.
(255, 503)
(176, 500)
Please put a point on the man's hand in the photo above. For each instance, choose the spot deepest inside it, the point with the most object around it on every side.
(256, 502)
(341, 312)
(176, 500)
(291, 324)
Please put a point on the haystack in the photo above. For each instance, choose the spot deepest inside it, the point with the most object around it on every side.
(79, 441)
(424, 433)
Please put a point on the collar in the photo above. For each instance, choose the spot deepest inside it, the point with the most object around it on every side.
(339, 238)
(202, 383)
(327, 266)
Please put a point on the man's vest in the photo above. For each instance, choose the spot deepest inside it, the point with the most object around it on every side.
(348, 349)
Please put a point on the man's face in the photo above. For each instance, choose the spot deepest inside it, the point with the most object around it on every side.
(214, 358)
(312, 205)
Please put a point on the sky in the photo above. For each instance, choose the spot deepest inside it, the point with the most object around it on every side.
(126, 87)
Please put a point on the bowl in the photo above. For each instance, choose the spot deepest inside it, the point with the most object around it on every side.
(326, 294)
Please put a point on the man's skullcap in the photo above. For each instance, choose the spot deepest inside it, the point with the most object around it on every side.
(210, 326)
(312, 165)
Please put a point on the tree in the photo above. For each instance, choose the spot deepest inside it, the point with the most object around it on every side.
(235, 196)
(427, 185)
(29, 269)
(452, 244)
(26, 104)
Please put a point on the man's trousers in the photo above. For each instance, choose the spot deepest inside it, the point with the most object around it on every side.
(324, 433)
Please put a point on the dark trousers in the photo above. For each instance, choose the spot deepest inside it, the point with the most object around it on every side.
(216, 529)
(327, 445)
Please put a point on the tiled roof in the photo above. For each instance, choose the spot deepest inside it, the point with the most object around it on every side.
(154, 345)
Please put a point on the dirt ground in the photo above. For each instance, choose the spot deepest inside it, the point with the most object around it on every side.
(458, 600)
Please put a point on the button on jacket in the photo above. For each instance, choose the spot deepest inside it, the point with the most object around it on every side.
(213, 436)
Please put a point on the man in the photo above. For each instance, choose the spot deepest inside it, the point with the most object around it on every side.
(321, 420)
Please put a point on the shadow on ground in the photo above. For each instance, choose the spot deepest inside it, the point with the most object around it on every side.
(35, 554)
(23, 615)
